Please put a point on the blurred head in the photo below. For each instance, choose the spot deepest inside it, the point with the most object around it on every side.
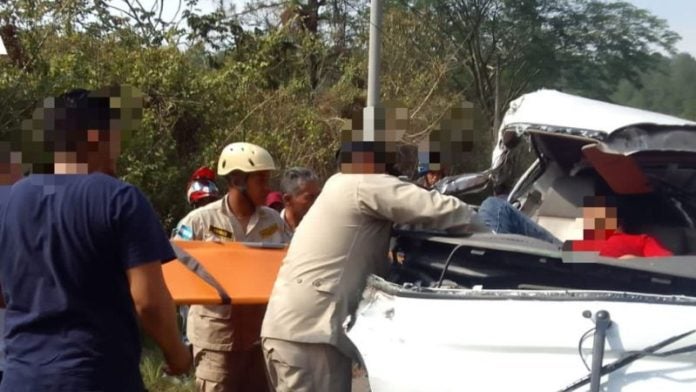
(80, 131)
(371, 141)
(300, 188)
(600, 219)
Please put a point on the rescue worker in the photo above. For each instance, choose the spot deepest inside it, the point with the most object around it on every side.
(300, 189)
(428, 178)
(202, 189)
(222, 357)
(343, 238)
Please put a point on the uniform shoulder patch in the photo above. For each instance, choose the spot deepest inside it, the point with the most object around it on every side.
(269, 231)
(221, 232)
(184, 232)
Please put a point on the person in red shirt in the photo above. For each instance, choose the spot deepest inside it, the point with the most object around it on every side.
(603, 233)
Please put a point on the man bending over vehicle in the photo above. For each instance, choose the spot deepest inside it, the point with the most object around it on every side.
(343, 238)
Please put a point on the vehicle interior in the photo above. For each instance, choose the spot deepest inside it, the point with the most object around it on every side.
(656, 190)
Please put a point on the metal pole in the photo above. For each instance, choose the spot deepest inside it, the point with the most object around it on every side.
(602, 323)
(374, 51)
(496, 115)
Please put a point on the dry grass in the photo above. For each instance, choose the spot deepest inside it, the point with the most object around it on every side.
(151, 369)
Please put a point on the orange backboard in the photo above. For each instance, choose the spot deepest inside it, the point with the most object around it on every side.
(247, 274)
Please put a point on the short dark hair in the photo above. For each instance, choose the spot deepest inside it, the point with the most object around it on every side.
(600, 201)
(71, 115)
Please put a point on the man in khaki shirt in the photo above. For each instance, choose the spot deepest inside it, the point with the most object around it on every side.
(343, 238)
(222, 357)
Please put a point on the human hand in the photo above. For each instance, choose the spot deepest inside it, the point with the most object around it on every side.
(179, 363)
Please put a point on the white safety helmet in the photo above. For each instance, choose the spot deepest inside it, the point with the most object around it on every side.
(244, 157)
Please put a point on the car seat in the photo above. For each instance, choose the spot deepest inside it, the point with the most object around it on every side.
(561, 209)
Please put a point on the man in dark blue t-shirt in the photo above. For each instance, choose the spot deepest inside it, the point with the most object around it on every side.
(81, 264)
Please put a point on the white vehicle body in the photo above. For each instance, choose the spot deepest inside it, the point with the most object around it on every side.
(513, 340)
(557, 110)
(512, 318)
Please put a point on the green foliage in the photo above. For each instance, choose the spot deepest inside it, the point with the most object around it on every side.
(667, 89)
(289, 82)
(151, 370)
(581, 46)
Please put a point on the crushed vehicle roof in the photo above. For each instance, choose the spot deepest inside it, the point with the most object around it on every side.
(556, 109)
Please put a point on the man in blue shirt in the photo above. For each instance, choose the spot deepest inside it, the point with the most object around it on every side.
(81, 263)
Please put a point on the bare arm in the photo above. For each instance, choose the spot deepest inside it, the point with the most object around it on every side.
(155, 309)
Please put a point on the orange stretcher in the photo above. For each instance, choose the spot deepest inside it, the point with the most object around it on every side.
(214, 273)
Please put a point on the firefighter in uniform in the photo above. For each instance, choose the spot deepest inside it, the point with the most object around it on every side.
(223, 345)
(343, 238)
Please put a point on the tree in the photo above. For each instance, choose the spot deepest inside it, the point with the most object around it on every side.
(581, 46)
(667, 88)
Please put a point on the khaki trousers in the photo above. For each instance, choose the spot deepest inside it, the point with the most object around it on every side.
(306, 367)
(230, 371)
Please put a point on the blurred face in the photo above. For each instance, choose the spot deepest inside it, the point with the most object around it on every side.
(258, 187)
(362, 162)
(102, 151)
(599, 222)
(303, 200)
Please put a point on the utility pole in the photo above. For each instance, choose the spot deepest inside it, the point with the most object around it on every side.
(374, 53)
(496, 110)
(496, 97)
(2, 48)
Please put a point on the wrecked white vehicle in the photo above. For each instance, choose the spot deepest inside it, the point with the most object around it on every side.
(504, 312)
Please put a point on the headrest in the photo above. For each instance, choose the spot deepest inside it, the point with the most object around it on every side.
(565, 197)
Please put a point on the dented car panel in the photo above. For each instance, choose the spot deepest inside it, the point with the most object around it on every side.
(415, 339)
(624, 129)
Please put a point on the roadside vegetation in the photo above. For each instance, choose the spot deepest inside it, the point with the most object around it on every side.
(151, 368)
